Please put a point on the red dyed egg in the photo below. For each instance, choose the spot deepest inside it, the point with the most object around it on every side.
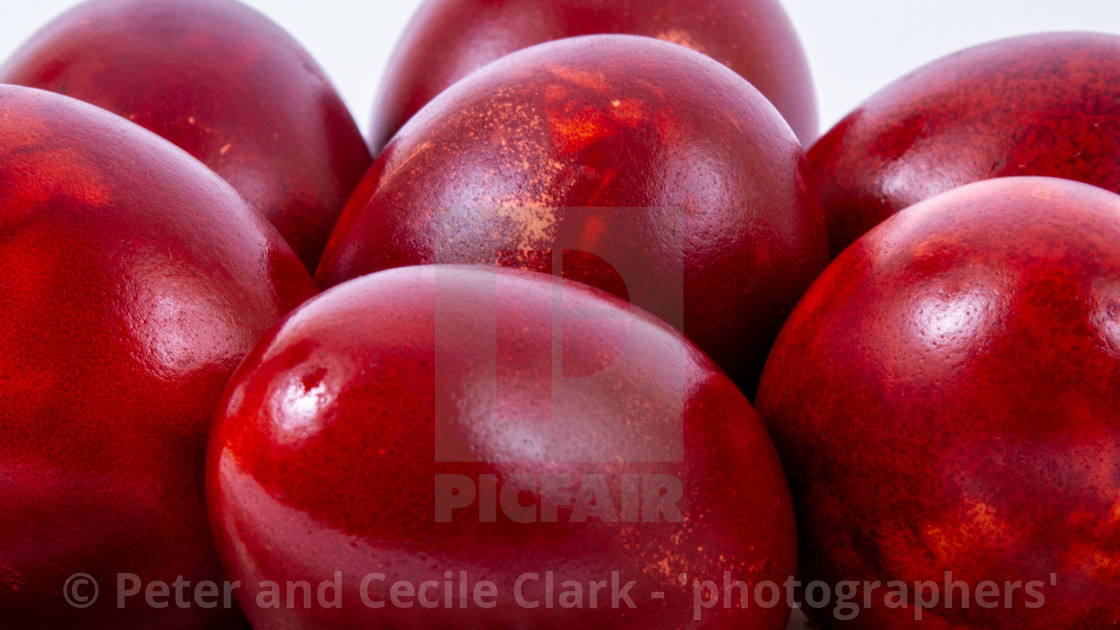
(448, 39)
(634, 165)
(945, 400)
(1045, 104)
(475, 447)
(135, 280)
(221, 81)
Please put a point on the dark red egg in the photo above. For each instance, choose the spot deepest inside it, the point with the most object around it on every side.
(632, 164)
(222, 82)
(477, 447)
(945, 399)
(448, 39)
(1046, 104)
(134, 281)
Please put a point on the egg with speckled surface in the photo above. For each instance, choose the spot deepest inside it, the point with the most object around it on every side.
(1045, 104)
(945, 401)
(448, 39)
(634, 165)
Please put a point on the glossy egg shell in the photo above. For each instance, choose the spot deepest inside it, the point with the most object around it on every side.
(134, 281)
(656, 173)
(334, 432)
(448, 39)
(224, 83)
(945, 400)
(1044, 104)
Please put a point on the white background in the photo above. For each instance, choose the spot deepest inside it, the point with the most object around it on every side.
(855, 47)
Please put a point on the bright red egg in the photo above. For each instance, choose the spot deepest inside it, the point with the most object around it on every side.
(1046, 104)
(494, 442)
(634, 165)
(134, 281)
(945, 400)
(221, 81)
(448, 39)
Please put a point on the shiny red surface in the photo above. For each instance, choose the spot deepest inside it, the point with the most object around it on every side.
(134, 281)
(945, 399)
(324, 452)
(221, 81)
(1046, 104)
(716, 219)
(448, 39)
